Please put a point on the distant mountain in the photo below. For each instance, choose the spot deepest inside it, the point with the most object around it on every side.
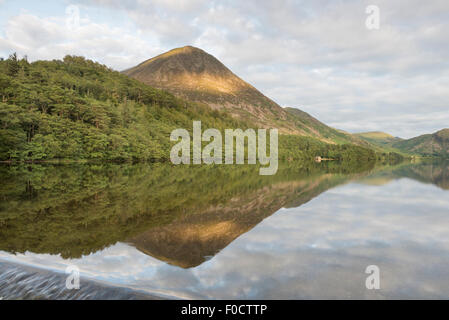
(378, 138)
(195, 75)
(436, 144)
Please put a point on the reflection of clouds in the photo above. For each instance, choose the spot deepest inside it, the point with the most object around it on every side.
(318, 250)
(111, 263)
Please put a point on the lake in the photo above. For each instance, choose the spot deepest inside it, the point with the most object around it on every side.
(225, 232)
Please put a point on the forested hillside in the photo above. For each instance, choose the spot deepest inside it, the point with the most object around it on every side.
(77, 109)
(80, 109)
(428, 145)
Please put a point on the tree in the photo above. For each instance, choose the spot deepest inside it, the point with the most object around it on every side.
(13, 65)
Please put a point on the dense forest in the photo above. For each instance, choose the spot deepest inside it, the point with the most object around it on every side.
(77, 109)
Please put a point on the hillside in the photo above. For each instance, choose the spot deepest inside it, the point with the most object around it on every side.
(195, 75)
(77, 109)
(378, 138)
(429, 145)
(314, 127)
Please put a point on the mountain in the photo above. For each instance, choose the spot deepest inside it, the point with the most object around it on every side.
(195, 75)
(434, 145)
(80, 110)
(378, 138)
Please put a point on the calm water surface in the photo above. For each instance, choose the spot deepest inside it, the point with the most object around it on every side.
(310, 231)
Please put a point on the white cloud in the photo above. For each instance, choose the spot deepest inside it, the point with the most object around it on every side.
(52, 38)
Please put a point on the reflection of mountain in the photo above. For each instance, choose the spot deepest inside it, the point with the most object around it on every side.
(177, 214)
(427, 172)
(436, 173)
(189, 240)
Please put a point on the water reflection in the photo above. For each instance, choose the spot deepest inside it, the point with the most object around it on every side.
(202, 233)
(180, 215)
(430, 172)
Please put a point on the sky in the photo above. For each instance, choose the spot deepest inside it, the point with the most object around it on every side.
(318, 56)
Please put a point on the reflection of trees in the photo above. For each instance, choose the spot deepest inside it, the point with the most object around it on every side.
(435, 173)
(79, 209)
